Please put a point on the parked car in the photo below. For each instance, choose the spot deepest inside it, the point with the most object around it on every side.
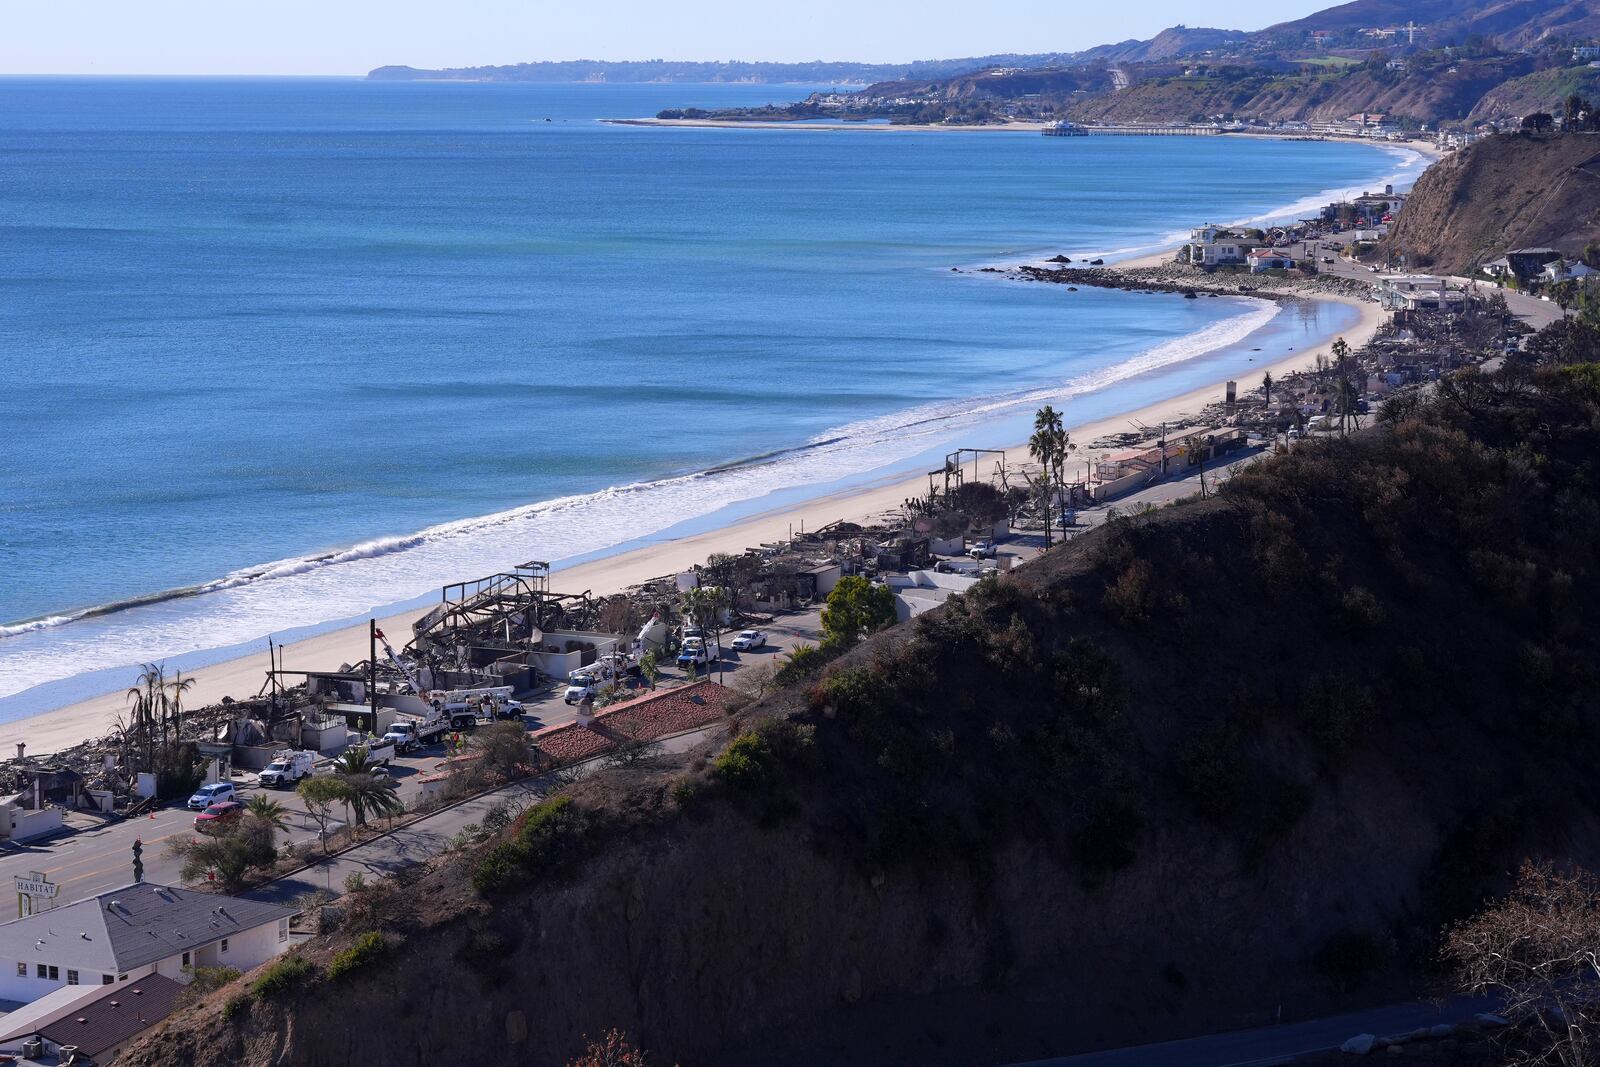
(749, 640)
(208, 795)
(982, 550)
(217, 816)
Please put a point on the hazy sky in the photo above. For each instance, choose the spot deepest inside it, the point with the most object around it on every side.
(352, 36)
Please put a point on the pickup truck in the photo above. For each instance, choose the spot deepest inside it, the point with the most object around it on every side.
(749, 640)
(693, 654)
(287, 767)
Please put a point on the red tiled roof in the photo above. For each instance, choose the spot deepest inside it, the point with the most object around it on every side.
(661, 714)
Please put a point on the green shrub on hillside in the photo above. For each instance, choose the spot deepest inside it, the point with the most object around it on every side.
(367, 948)
(284, 974)
(550, 837)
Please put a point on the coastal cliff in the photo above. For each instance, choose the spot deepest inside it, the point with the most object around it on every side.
(1206, 764)
(1503, 192)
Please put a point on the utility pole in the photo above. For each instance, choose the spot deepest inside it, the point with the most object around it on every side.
(372, 674)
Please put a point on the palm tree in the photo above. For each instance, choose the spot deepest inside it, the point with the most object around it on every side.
(363, 791)
(268, 811)
(1050, 445)
(704, 604)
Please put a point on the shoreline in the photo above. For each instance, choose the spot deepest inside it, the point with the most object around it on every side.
(1422, 147)
(70, 724)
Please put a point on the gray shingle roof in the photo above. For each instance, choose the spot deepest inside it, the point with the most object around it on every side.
(108, 1021)
(132, 926)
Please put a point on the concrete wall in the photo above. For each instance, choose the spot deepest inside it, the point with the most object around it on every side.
(23, 824)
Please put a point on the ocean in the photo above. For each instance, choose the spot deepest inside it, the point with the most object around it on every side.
(278, 352)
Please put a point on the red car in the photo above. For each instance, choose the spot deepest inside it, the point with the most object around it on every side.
(218, 816)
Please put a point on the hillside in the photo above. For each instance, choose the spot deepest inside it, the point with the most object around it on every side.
(1513, 24)
(1539, 91)
(1170, 43)
(1503, 192)
(1206, 764)
(1429, 92)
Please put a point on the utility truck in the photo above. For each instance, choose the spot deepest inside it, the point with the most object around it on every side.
(288, 766)
(379, 750)
(468, 707)
(411, 732)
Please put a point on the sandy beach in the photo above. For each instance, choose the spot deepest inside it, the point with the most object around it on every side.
(67, 726)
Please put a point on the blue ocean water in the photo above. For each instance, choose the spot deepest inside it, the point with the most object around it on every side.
(322, 345)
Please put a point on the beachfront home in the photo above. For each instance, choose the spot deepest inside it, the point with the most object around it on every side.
(1415, 292)
(141, 929)
(1213, 246)
(1265, 259)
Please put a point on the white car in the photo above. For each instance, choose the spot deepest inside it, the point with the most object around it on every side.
(215, 793)
(749, 640)
(982, 550)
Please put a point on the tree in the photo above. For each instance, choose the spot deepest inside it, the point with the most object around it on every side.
(1539, 121)
(1538, 953)
(320, 793)
(268, 810)
(855, 608)
(1050, 445)
(230, 855)
(704, 604)
(503, 750)
(361, 791)
(650, 667)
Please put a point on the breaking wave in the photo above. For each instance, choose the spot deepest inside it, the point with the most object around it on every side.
(251, 602)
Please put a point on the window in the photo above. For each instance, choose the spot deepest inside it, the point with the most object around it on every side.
(186, 959)
(22, 969)
(283, 930)
(41, 970)
(122, 978)
(105, 979)
(224, 944)
(72, 977)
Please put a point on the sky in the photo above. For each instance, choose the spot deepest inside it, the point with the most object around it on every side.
(352, 36)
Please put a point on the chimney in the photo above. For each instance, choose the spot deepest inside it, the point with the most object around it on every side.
(1388, 190)
(20, 746)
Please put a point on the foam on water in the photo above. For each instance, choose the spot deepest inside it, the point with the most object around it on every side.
(291, 592)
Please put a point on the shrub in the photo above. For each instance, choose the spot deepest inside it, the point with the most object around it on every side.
(745, 762)
(367, 948)
(1361, 610)
(550, 837)
(283, 974)
(207, 980)
(802, 660)
(234, 1005)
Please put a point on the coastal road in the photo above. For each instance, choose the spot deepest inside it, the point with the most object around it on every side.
(1279, 1044)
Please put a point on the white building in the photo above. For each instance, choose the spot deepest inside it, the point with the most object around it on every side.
(1213, 246)
(1585, 52)
(134, 931)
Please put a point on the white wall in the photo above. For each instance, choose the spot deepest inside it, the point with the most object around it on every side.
(26, 990)
(245, 950)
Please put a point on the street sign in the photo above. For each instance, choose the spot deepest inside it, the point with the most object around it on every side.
(34, 884)
(33, 889)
